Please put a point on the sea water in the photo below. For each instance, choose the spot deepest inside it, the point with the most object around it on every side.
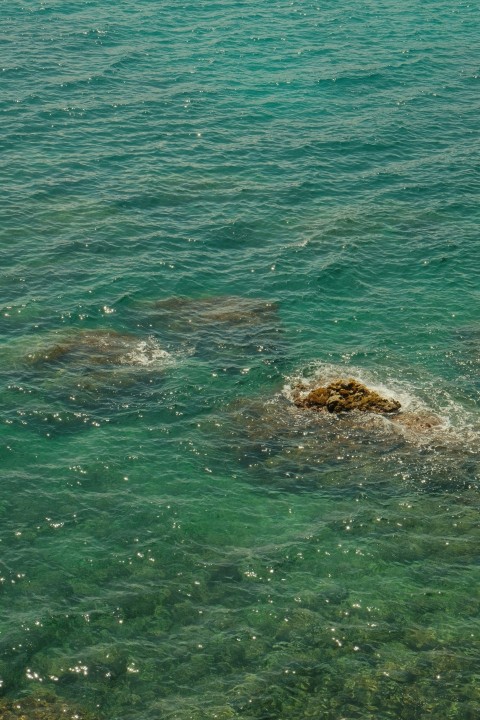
(203, 205)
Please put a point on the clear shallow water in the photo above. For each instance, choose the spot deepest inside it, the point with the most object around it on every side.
(177, 540)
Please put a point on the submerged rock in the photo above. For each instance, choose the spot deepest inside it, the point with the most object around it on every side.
(219, 328)
(418, 422)
(100, 347)
(41, 707)
(95, 373)
(283, 445)
(228, 309)
(345, 396)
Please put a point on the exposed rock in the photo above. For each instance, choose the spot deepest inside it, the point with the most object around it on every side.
(344, 396)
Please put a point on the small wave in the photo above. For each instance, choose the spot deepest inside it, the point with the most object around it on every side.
(422, 398)
(147, 353)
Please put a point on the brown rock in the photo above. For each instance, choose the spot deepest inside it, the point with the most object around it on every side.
(345, 396)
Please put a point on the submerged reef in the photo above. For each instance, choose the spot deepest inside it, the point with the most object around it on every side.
(85, 378)
(345, 396)
(228, 328)
(100, 347)
(228, 309)
(40, 707)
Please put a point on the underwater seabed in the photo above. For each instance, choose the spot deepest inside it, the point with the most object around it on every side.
(353, 606)
(289, 563)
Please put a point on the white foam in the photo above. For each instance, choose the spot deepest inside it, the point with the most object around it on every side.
(147, 353)
(422, 395)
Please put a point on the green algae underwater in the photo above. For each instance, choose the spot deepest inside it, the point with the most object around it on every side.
(178, 545)
(204, 207)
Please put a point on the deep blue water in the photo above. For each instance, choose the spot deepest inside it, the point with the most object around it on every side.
(202, 206)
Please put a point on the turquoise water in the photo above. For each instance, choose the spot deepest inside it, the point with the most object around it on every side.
(203, 205)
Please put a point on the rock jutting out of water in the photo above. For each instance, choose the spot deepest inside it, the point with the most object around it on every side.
(341, 396)
(344, 396)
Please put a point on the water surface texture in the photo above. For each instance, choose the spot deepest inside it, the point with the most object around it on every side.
(203, 205)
